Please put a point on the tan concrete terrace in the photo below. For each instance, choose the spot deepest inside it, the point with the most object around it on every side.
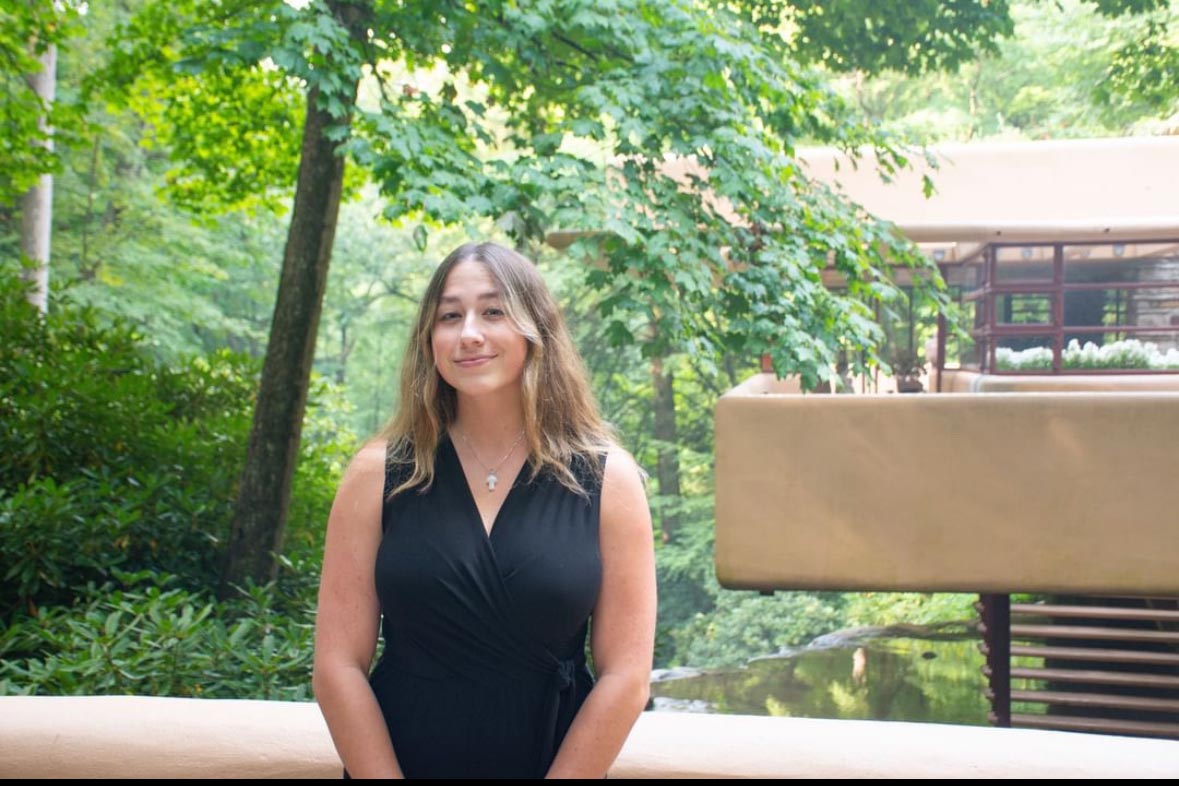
(141, 737)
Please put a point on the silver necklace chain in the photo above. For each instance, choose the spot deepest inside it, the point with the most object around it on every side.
(492, 477)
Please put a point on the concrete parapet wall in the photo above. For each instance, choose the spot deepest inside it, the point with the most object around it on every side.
(995, 492)
(960, 381)
(141, 737)
(152, 737)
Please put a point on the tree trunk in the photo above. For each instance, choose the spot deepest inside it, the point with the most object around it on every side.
(37, 205)
(260, 514)
(667, 469)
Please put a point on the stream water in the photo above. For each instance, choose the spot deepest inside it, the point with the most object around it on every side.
(908, 673)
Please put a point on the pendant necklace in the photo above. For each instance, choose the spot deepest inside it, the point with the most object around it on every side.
(492, 477)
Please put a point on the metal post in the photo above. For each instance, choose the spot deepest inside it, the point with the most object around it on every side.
(995, 611)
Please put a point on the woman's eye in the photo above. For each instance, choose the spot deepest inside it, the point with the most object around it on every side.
(494, 312)
(447, 316)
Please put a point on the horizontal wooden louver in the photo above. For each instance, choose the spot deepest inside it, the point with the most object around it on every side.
(1108, 665)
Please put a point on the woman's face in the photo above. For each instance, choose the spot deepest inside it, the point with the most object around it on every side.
(476, 348)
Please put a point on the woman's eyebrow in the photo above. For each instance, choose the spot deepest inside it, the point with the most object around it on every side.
(492, 295)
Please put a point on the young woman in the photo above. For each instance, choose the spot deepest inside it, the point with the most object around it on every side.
(492, 519)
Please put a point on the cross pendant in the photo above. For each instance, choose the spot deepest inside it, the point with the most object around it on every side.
(491, 480)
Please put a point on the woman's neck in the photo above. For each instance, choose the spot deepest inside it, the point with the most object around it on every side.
(490, 423)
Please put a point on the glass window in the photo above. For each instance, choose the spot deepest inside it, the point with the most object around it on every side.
(1024, 308)
(1093, 308)
(961, 352)
(1081, 269)
(1116, 307)
(968, 276)
(1017, 264)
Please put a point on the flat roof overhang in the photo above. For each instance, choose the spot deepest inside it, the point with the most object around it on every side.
(1083, 190)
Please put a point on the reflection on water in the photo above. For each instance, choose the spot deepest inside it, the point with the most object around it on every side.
(907, 673)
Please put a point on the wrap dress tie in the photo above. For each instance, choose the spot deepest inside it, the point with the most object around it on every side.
(483, 668)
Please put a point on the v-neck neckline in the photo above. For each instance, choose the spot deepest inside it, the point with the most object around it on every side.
(473, 505)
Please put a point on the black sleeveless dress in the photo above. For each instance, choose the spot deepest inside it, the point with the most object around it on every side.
(484, 662)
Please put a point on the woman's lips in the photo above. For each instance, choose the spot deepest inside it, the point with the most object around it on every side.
(472, 362)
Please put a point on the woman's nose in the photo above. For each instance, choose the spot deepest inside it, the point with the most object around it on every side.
(471, 332)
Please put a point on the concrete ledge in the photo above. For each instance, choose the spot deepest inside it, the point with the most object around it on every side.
(961, 381)
(141, 737)
(160, 737)
(670, 745)
(983, 492)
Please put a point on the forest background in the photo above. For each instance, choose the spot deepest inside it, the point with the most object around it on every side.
(126, 409)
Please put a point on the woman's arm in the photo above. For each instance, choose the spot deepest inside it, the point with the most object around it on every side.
(347, 619)
(623, 631)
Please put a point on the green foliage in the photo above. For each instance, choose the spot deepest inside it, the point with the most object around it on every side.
(192, 283)
(558, 115)
(744, 625)
(324, 452)
(913, 36)
(1066, 71)
(27, 30)
(232, 138)
(101, 377)
(1120, 7)
(116, 482)
(907, 608)
(538, 116)
(721, 251)
(110, 459)
(193, 72)
(1142, 70)
(142, 635)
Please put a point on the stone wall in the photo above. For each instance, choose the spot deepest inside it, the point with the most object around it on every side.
(1158, 307)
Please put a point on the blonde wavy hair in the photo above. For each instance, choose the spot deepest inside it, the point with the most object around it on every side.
(562, 424)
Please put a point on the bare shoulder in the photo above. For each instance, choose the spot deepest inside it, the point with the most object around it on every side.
(363, 483)
(367, 466)
(624, 496)
(621, 468)
(369, 459)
